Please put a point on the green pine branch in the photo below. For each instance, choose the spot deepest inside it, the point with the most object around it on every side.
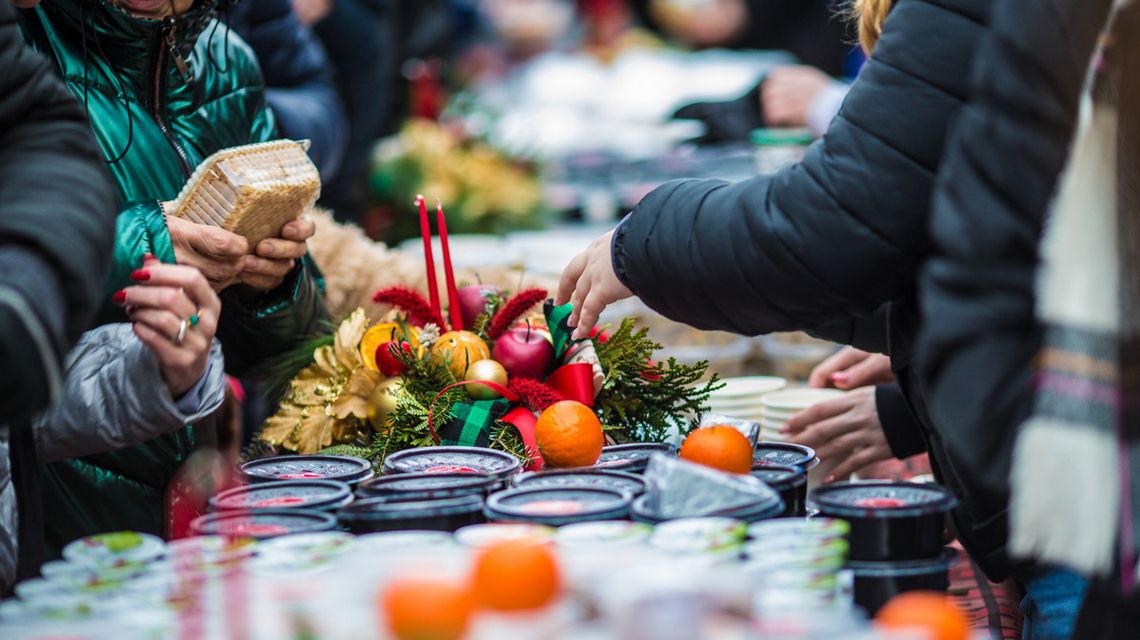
(639, 402)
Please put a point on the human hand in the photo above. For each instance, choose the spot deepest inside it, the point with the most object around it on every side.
(845, 431)
(589, 283)
(162, 307)
(788, 93)
(851, 368)
(310, 12)
(217, 253)
(276, 257)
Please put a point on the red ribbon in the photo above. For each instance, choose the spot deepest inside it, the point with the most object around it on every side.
(494, 386)
(575, 381)
(524, 421)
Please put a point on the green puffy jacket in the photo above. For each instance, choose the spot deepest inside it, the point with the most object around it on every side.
(161, 96)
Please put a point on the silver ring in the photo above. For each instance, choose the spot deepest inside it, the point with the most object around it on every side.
(183, 325)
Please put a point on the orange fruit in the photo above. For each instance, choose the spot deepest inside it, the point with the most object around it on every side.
(383, 333)
(569, 434)
(516, 575)
(426, 608)
(459, 350)
(720, 447)
(927, 610)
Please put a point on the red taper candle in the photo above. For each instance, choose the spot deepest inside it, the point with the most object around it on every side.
(448, 273)
(425, 231)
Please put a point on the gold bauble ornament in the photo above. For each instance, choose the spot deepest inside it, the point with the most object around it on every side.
(459, 350)
(382, 402)
(490, 371)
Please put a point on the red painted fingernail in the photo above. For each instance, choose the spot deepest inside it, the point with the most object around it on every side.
(120, 296)
(140, 275)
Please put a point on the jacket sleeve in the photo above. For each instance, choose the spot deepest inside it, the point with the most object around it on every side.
(900, 425)
(1001, 169)
(834, 236)
(298, 78)
(114, 397)
(254, 328)
(56, 240)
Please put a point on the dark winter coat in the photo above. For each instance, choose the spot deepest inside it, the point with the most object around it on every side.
(298, 77)
(55, 247)
(835, 237)
(1000, 171)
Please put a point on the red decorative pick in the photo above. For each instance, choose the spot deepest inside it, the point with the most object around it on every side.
(512, 310)
(429, 261)
(448, 273)
(411, 302)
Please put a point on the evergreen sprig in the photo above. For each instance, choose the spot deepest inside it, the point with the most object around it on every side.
(640, 401)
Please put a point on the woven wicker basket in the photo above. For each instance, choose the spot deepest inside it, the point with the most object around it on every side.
(252, 190)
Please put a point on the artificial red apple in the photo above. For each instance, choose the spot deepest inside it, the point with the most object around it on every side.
(386, 363)
(524, 354)
(473, 301)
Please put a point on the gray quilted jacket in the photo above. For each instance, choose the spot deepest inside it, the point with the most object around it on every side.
(113, 396)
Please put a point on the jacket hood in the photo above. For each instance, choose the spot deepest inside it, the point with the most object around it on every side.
(122, 38)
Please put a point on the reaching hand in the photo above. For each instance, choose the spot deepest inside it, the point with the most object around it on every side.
(845, 430)
(217, 253)
(851, 368)
(589, 284)
(276, 257)
(788, 93)
(175, 314)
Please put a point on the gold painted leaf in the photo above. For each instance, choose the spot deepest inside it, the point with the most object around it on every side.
(347, 340)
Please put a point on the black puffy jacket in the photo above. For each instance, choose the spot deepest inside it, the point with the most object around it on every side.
(1003, 159)
(836, 237)
(55, 248)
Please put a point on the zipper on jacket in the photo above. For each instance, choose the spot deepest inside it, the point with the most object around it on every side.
(165, 43)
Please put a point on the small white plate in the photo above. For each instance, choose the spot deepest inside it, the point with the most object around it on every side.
(798, 399)
(748, 387)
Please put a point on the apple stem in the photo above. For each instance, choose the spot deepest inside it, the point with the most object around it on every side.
(528, 330)
(478, 278)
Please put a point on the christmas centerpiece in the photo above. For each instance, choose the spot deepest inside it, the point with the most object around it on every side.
(499, 370)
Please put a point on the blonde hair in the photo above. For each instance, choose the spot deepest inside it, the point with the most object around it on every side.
(870, 16)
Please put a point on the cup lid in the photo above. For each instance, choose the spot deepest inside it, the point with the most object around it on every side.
(557, 505)
(263, 524)
(429, 485)
(286, 494)
(452, 460)
(783, 454)
(880, 499)
(604, 478)
(315, 467)
(372, 509)
(634, 455)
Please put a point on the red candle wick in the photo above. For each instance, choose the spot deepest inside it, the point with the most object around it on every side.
(429, 261)
(448, 272)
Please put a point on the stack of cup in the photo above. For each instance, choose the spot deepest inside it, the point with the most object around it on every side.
(778, 407)
(741, 397)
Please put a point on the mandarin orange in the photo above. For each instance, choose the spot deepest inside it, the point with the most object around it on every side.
(516, 575)
(929, 611)
(427, 608)
(569, 434)
(720, 447)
